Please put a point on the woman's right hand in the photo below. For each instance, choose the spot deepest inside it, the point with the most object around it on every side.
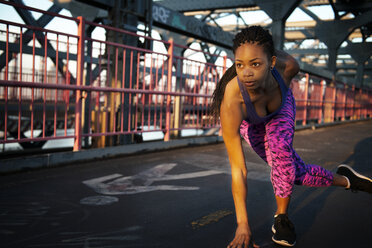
(243, 238)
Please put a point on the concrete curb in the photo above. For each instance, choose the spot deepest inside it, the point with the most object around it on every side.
(55, 159)
(330, 124)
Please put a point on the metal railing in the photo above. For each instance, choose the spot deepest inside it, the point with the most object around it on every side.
(107, 91)
(321, 100)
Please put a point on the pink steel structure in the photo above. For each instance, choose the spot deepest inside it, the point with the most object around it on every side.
(130, 90)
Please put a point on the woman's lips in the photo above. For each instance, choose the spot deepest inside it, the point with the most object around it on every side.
(249, 83)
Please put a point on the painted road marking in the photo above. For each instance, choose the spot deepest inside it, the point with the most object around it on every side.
(210, 218)
(99, 200)
(117, 184)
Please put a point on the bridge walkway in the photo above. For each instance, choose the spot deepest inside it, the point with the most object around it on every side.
(182, 198)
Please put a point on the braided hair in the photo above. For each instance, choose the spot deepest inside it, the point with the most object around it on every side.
(252, 34)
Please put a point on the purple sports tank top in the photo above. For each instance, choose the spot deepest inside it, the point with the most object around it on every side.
(253, 117)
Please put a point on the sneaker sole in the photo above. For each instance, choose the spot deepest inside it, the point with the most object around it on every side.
(355, 173)
(280, 242)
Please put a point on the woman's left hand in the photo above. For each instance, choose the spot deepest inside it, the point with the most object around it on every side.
(243, 238)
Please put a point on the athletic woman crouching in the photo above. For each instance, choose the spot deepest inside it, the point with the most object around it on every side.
(253, 100)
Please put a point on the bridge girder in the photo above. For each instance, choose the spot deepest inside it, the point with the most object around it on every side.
(179, 16)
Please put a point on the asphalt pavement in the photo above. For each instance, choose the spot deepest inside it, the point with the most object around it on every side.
(182, 198)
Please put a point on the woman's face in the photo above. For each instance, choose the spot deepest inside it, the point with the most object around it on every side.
(252, 65)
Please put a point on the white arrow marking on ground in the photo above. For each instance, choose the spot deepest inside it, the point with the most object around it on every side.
(142, 181)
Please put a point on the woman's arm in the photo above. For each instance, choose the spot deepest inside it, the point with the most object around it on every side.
(286, 65)
(231, 118)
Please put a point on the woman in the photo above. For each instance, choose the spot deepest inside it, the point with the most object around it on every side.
(254, 101)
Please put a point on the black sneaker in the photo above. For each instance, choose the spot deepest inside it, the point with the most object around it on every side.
(284, 232)
(357, 181)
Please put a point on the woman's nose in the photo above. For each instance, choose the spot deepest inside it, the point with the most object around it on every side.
(247, 72)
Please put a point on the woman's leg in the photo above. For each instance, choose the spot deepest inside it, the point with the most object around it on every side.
(287, 167)
(282, 204)
(274, 141)
(254, 135)
(339, 180)
(314, 175)
(279, 150)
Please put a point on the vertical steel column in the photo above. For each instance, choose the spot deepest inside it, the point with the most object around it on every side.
(32, 89)
(6, 87)
(169, 88)
(177, 102)
(45, 80)
(56, 91)
(353, 114)
(369, 103)
(20, 88)
(362, 105)
(79, 80)
(88, 77)
(321, 103)
(344, 104)
(305, 99)
(334, 104)
(360, 114)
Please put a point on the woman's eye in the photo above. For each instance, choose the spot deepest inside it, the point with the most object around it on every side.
(256, 64)
(239, 65)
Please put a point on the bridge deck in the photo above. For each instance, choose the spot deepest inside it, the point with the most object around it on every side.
(182, 198)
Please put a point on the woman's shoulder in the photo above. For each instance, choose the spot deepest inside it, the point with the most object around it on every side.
(232, 90)
(231, 107)
(232, 101)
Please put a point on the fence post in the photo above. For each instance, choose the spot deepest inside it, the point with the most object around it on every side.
(334, 103)
(305, 99)
(359, 103)
(364, 103)
(354, 114)
(344, 104)
(169, 88)
(79, 80)
(369, 102)
(6, 87)
(321, 103)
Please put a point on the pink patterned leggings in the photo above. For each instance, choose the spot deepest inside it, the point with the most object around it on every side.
(273, 142)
